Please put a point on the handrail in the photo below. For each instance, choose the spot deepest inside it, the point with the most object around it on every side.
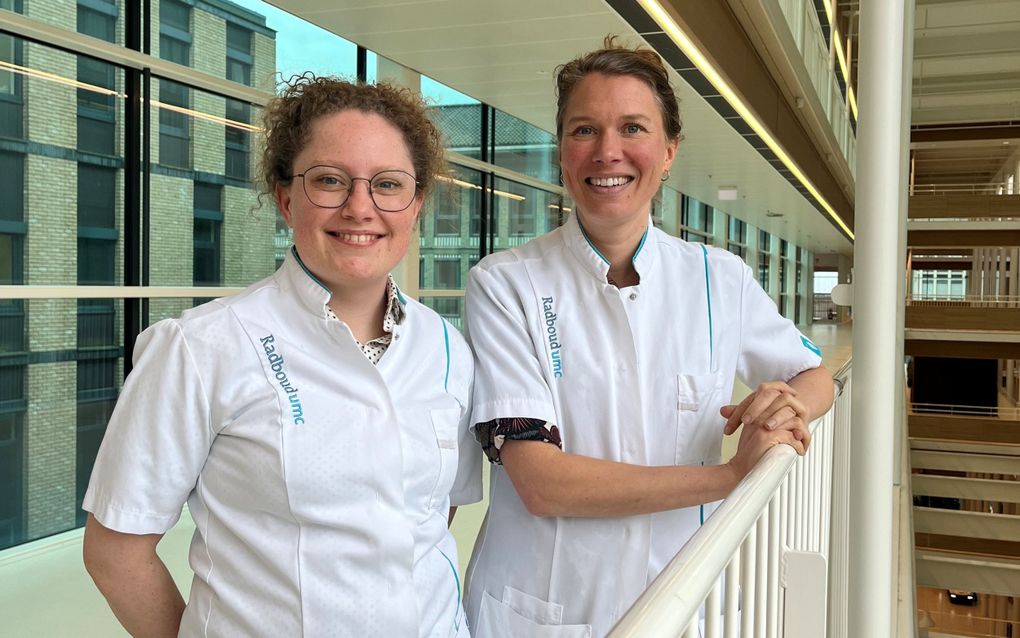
(987, 188)
(949, 409)
(761, 514)
(925, 298)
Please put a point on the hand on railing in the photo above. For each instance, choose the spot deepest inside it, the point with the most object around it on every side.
(773, 406)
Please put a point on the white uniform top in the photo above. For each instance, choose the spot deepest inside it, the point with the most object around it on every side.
(634, 375)
(319, 483)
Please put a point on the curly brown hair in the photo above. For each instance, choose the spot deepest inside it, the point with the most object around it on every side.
(615, 59)
(288, 118)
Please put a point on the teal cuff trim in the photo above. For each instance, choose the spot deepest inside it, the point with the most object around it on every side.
(810, 346)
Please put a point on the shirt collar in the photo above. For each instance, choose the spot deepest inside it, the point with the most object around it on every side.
(395, 303)
(314, 295)
(594, 262)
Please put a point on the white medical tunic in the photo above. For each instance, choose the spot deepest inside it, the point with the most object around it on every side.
(635, 375)
(319, 483)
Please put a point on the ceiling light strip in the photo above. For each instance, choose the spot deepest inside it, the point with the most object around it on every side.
(829, 11)
(52, 77)
(837, 44)
(681, 39)
(844, 68)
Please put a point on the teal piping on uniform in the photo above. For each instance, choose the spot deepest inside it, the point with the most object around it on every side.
(585, 235)
(701, 508)
(446, 340)
(640, 245)
(708, 295)
(400, 296)
(293, 249)
(456, 578)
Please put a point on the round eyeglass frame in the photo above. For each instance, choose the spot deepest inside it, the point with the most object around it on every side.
(369, 180)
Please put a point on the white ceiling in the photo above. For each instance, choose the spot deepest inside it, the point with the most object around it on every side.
(966, 61)
(503, 53)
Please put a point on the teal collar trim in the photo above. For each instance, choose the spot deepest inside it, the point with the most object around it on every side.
(640, 245)
(590, 244)
(293, 250)
(295, 277)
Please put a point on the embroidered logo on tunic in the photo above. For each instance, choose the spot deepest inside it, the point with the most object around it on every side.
(276, 365)
(554, 343)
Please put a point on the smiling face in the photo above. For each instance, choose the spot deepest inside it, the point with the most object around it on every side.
(357, 245)
(613, 150)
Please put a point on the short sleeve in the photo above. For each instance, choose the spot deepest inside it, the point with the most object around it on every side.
(157, 440)
(492, 434)
(771, 347)
(467, 486)
(508, 374)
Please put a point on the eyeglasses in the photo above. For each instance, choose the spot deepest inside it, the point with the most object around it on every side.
(330, 187)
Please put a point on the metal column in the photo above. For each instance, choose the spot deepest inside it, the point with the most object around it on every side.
(877, 271)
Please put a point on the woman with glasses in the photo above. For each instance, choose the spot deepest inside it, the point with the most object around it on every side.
(315, 423)
(605, 354)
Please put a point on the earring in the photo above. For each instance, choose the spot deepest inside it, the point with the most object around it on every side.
(665, 176)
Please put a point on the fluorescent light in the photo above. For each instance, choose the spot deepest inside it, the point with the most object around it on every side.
(682, 40)
(459, 182)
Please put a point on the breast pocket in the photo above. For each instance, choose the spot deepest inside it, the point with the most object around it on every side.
(445, 424)
(519, 615)
(697, 403)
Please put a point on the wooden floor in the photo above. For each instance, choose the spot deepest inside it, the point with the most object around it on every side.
(961, 620)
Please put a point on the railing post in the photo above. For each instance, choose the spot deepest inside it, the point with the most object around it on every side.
(876, 266)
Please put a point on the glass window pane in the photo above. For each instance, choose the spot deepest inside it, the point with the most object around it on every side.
(12, 180)
(447, 273)
(450, 237)
(222, 235)
(458, 116)
(98, 24)
(12, 467)
(174, 101)
(285, 44)
(65, 15)
(525, 148)
(522, 213)
(97, 193)
(175, 31)
(238, 39)
(449, 308)
(49, 438)
(175, 14)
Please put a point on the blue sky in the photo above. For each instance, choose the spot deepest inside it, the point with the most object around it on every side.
(301, 46)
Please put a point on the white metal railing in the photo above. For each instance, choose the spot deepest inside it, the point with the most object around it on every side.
(947, 299)
(995, 188)
(769, 542)
(1001, 412)
(818, 60)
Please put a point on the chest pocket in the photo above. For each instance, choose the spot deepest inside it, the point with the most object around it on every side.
(445, 424)
(696, 405)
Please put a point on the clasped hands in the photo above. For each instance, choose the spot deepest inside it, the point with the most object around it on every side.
(772, 407)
